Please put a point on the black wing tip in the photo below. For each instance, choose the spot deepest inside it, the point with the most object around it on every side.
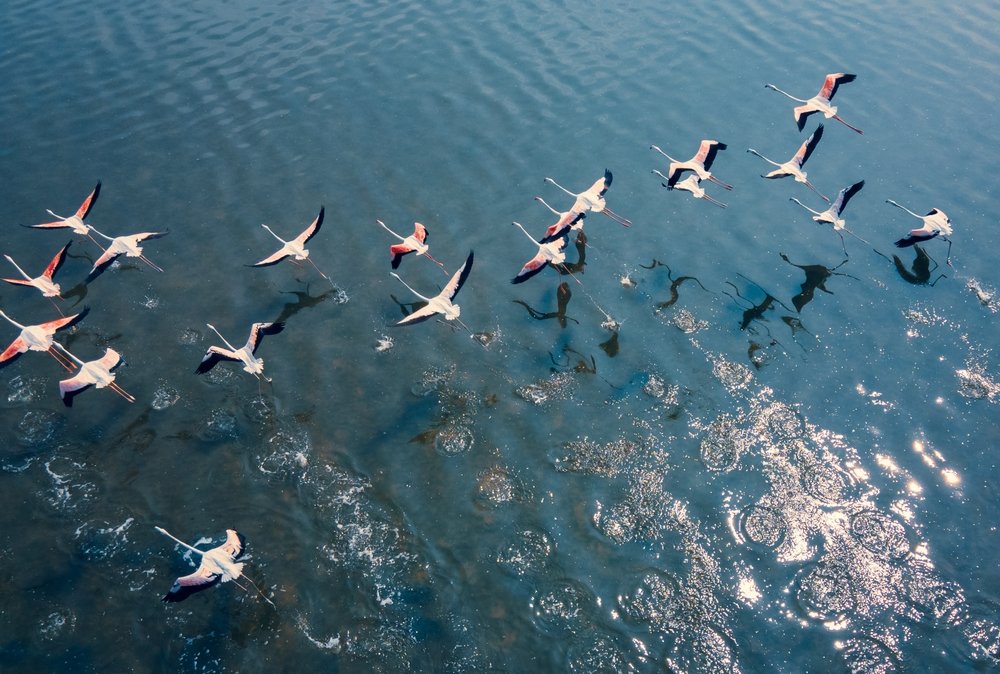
(720, 145)
(847, 77)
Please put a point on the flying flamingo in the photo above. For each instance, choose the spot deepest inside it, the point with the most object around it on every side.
(92, 373)
(123, 245)
(45, 282)
(593, 199)
(567, 220)
(693, 185)
(443, 302)
(296, 248)
(832, 214)
(245, 355)
(935, 223)
(74, 222)
(699, 163)
(217, 565)
(550, 252)
(415, 243)
(821, 101)
(793, 167)
(39, 338)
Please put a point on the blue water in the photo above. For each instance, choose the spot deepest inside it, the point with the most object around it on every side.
(747, 475)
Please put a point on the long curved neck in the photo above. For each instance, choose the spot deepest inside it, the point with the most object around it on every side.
(770, 161)
(425, 299)
(518, 225)
(800, 100)
(273, 234)
(660, 174)
(888, 201)
(542, 201)
(231, 347)
(572, 194)
(653, 147)
(101, 234)
(804, 206)
(11, 260)
(170, 535)
(389, 230)
(11, 320)
(66, 351)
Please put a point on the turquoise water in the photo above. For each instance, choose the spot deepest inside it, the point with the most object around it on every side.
(740, 476)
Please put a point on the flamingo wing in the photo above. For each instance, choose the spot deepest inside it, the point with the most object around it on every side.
(418, 316)
(50, 225)
(234, 545)
(110, 360)
(707, 152)
(106, 258)
(273, 259)
(806, 149)
(10, 354)
(398, 251)
(531, 268)
(144, 236)
(18, 281)
(74, 386)
(600, 187)
(185, 586)
(801, 114)
(916, 236)
(419, 232)
(840, 203)
(56, 262)
(833, 81)
(213, 356)
(458, 278)
(559, 229)
(310, 231)
(88, 203)
(257, 332)
(62, 323)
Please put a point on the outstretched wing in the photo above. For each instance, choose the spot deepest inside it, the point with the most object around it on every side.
(56, 262)
(10, 354)
(213, 356)
(562, 226)
(106, 258)
(418, 316)
(419, 232)
(531, 267)
(72, 387)
(17, 281)
(185, 586)
(801, 114)
(144, 236)
(840, 203)
(110, 360)
(62, 323)
(88, 203)
(802, 156)
(832, 82)
(310, 231)
(458, 279)
(707, 151)
(234, 545)
(257, 332)
(398, 251)
(273, 259)
(916, 236)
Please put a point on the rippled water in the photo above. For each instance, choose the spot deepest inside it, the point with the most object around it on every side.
(723, 447)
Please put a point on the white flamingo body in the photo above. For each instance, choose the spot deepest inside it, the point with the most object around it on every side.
(74, 222)
(692, 184)
(549, 252)
(245, 354)
(39, 338)
(592, 199)
(699, 163)
(45, 282)
(443, 303)
(124, 245)
(821, 101)
(98, 373)
(793, 167)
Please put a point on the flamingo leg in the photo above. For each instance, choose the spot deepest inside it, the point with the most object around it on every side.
(428, 256)
(948, 258)
(624, 222)
(813, 188)
(262, 595)
(147, 261)
(715, 201)
(61, 359)
(320, 272)
(852, 128)
(122, 392)
(725, 186)
(57, 307)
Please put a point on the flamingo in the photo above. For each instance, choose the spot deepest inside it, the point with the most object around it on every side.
(699, 163)
(74, 222)
(832, 214)
(45, 282)
(295, 248)
(821, 101)
(123, 245)
(793, 167)
(935, 223)
(415, 243)
(691, 184)
(245, 355)
(443, 302)
(550, 252)
(217, 565)
(593, 199)
(39, 338)
(92, 373)
(567, 220)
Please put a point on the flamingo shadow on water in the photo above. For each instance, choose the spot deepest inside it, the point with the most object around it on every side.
(218, 565)
(675, 284)
(563, 296)
(920, 271)
(303, 301)
(816, 278)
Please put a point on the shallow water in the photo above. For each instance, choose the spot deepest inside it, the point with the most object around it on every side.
(769, 465)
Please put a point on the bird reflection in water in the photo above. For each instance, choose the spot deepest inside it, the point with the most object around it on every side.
(303, 300)
(581, 365)
(816, 277)
(756, 311)
(675, 284)
(920, 271)
(563, 296)
(581, 257)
